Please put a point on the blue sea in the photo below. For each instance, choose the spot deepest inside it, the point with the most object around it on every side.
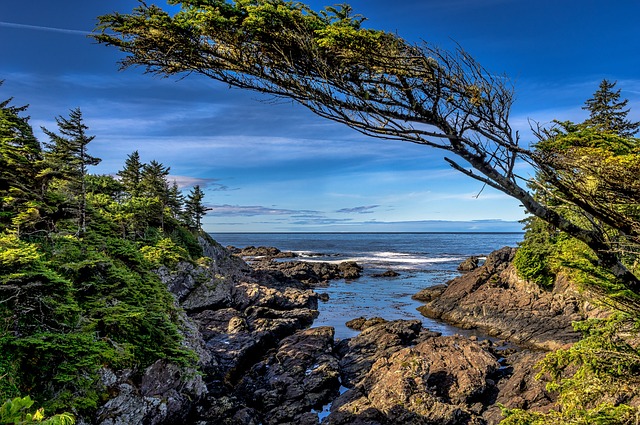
(421, 259)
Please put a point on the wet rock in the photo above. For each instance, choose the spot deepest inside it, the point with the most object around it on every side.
(263, 251)
(310, 273)
(387, 273)
(300, 376)
(350, 269)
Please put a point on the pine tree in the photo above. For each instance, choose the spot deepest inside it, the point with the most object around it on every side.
(154, 185)
(131, 174)
(68, 158)
(194, 208)
(175, 200)
(607, 112)
(21, 182)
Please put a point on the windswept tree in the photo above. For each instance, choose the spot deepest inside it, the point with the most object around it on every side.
(68, 159)
(372, 81)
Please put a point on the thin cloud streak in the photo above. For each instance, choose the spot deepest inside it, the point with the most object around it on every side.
(42, 28)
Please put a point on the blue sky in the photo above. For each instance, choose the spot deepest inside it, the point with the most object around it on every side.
(274, 166)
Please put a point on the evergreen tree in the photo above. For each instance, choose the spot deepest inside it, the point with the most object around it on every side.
(194, 208)
(607, 112)
(131, 174)
(153, 180)
(154, 185)
(21, 187)
(67, 156)
(175, 200)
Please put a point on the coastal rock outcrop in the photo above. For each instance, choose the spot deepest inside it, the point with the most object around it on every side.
(309, 273)
(443, 380)
(262, 364)
(494, 298)
(166, 393)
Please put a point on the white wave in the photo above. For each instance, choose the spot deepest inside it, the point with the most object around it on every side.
(391, 258)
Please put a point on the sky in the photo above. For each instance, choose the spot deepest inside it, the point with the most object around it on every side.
(271, 165)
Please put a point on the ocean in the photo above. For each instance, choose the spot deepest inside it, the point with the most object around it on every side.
(421, 259)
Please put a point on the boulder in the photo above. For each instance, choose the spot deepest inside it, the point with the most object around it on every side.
(430, 293)
(362, 323)
(519, 387)
(359, 353)
(387, 273)
(469, 264)
(167, 393)
(302, 374)
(350, 269)
(445, 380)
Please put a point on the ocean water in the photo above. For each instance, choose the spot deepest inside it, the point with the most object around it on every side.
(421, 259)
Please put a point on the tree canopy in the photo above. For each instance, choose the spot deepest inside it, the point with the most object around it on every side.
(372, 81)
(77, 255)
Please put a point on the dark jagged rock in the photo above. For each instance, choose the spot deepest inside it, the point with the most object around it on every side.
(428, 294)
(263, 251)
(301, 375)
(362, 323)
(470, 264)
(350, 269)
(309, 272)
(387, 273)
(165, 394)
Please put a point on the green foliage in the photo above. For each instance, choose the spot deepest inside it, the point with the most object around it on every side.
(596, 379)
(164, 253)
(15, 254)
(194, 208)
(17, 412)
(607, 113)
(533, 260)
(187, 240)
(73, 302)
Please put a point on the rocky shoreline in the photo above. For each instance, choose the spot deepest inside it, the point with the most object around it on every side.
(261, 363)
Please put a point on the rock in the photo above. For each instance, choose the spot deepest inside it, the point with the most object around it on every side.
(301, 375)
(388, 273)
(167, 393)
(362, 323)
(443, 380)
(494, 298)
(469, 264)
(350, 269)
(324, 297)
(263, 251)
(359, 353)
(308, 272)
(519, 387)
(428, 294)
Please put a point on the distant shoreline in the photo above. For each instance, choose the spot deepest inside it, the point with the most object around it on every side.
(366, 233)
